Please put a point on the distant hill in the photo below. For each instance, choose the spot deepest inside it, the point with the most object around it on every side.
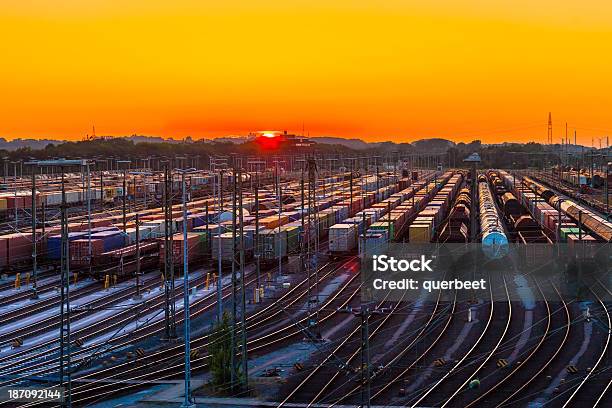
(34, 144)
(435, 144)
(356, 144)
(149, 139)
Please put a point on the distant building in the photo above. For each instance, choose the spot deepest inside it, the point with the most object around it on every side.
(274, 139)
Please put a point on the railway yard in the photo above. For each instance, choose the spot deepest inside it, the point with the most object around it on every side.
(101, 268)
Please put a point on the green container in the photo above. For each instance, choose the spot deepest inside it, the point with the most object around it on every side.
(293, 234)
(383, 225)
(273, 244)
(565, 231)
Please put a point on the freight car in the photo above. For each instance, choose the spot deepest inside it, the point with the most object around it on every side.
(511, 207)
(582, 215)
(122, 262)
(456, 229)
(494, 239)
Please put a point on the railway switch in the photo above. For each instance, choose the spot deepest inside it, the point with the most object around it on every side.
(572, 369)
(439, 362)
(501, 363)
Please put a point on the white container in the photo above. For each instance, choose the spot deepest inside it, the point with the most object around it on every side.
(342, 237)
(158, 227)
(227, 247)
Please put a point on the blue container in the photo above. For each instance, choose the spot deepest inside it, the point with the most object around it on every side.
(357, 221)
(199, 219)
(112, 239)
(54, 243)
(293, 215)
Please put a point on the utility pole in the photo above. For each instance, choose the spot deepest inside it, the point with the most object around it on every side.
(607, 189)
(257, 252)
(220, 262)
(188, 401)
(88, 197)
(312, 262)
(101, 188)
(550, 130)
(138, 295)
(34, 239)
(365, 356)
(277, 231)
(170, 307)
(65, 363)
(234, 368)
(244, 350)
(124, 199)
(15, 189)
(305, 243)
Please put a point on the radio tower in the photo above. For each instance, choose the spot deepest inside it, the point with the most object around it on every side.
(550, 135)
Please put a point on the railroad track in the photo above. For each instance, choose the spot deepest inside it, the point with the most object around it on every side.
(427, 329)
(406, 371)
(600, 397)
(25, 293)
(97, 391)
(162, 358)
(40, 305)
(327, 382)
(167, 356)
(495, 391)
(16, 364)
(53, 321)
(334, 354)
(10, 284)
(586, 397)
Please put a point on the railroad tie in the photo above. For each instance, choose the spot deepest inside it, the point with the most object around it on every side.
(78, 342)
(18, 342)
(501, 363)
(140, 352)
(298, 366)
(572, 369)
(194, 353)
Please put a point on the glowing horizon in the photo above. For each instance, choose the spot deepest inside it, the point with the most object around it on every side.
(400, 70)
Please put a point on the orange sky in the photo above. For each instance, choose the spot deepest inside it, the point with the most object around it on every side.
(384, 70)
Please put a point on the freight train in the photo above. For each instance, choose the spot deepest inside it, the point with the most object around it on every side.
(564, 219)
(493, 233)
(523, 228)
(457, 226)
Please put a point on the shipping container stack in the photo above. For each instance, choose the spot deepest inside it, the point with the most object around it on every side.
(333, 207)
(395, 212)
(427, 225)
